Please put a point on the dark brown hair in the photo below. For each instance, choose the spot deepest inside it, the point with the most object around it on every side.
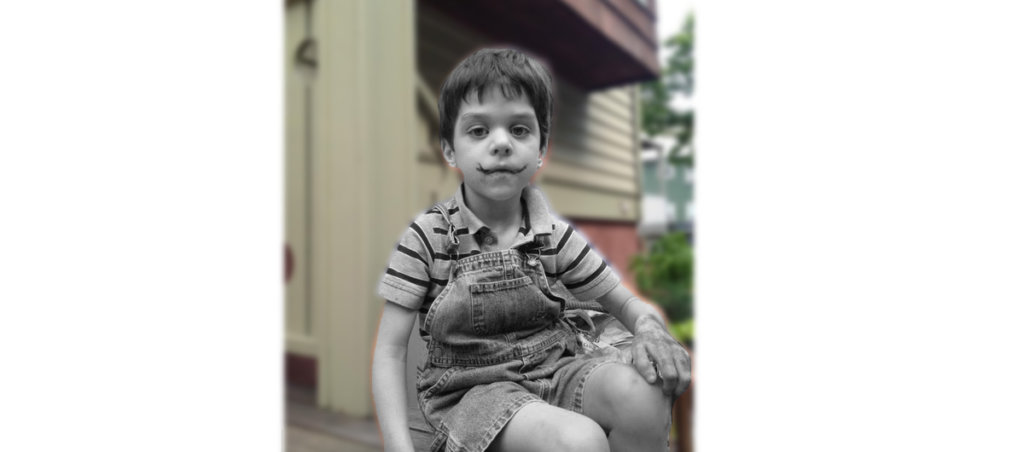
(513, 72)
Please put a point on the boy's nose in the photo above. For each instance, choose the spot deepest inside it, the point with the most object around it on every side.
(500, 144)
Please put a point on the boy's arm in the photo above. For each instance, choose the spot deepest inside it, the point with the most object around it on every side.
(389, 356)
(655, 352)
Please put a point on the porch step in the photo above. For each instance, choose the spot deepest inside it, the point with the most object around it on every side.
(314, 429)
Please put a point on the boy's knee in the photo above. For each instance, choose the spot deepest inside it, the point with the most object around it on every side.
(641, 406)
(583, 434)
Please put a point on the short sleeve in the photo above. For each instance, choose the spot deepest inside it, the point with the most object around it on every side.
(407, 278)
(580, 267)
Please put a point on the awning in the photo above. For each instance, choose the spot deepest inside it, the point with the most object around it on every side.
(592, 43)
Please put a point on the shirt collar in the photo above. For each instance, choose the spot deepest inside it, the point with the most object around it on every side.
(536, 217)
(469, 219)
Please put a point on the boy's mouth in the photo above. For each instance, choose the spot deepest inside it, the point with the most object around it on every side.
(486, 171)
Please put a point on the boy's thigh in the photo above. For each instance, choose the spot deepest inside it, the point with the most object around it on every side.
(541, 427)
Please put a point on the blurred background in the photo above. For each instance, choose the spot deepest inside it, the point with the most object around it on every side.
(362, 158)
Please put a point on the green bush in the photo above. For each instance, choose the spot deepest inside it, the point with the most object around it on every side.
(665, 275)
(682, 331)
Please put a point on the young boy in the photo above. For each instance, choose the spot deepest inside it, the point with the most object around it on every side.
(504, 370)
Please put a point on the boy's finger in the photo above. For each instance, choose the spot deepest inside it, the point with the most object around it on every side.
(643, 364)
(668, 371)
(684, 379)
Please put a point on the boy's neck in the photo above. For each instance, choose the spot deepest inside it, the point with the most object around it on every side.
(497, 215)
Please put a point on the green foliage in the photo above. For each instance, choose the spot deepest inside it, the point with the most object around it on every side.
(658, 116)
(682, 331)
(678, 73)
(665, 275)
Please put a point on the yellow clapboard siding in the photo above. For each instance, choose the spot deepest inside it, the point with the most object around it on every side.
(580, 118)
(598, 118)
(575, 202)
(582, 177)
(576, 121)
(611, 101)
(593, 139)
(622, 95)
(592, 162)
(614, 105)
(598, 105)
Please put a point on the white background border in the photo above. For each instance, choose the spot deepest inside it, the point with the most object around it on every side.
(859, 229)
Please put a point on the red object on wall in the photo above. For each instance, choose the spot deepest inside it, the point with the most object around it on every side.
(289, 263)
(300, 370)
(617, 241)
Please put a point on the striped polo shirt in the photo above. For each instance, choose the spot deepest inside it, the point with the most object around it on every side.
(420, 266)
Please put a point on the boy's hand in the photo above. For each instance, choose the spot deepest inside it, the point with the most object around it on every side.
(657, 354)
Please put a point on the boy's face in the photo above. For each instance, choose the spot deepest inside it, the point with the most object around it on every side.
(496, 145)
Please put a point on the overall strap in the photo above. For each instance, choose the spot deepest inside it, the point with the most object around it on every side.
(453, 239)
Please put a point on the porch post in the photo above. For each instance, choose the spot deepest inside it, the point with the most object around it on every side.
(363, 180)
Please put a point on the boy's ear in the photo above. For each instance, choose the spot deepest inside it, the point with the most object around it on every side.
(449, 152)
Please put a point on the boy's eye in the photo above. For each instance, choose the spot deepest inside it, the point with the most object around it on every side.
(477, 132)
(520, 131)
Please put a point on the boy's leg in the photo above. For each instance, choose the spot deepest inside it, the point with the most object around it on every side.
(637, 415)
(543, 427)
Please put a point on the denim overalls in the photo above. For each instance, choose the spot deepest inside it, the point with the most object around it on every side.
(498, 340)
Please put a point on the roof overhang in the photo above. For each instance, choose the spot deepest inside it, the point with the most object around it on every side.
(594, 44)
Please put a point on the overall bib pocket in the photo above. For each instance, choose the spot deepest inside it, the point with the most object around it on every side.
(504, 306)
